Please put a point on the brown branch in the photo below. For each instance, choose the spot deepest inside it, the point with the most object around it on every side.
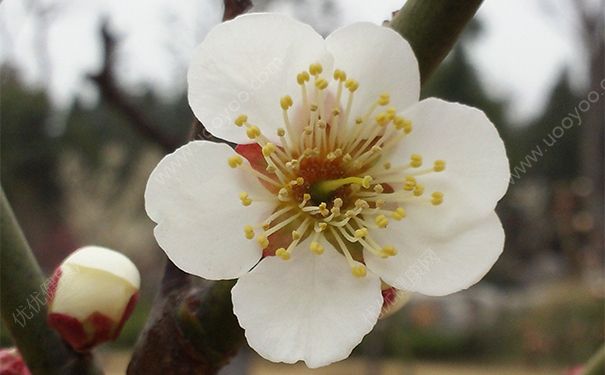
(432, 28)
(191, 327)
(234, 8)
(110, 92)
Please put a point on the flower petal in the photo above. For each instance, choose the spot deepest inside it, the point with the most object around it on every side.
(308, 308)
(476, 174)
(107, 260)
(380, 60)
(437, 267)
(193, 196)
(245, 66)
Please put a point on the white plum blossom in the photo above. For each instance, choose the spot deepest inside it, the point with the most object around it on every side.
(344, 187)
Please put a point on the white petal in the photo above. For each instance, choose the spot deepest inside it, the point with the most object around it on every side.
(477, 171)
(380, 60)
(438, 267)
(245, 66)
(193, 196)
(103, 259)
(308, 308)
(83, 290)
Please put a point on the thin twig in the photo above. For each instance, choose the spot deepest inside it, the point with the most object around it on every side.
(22, 290)
(109, 90)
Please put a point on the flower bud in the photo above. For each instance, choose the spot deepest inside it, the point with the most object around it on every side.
(11, 362)
(91, 295)
(393, 300)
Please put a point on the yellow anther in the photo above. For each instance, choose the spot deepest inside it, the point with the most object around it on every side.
(418, 190)
(382, 119)
(398, 214)
(235, 161)
(283, 194)
(286, 102)
(403, 124)
(316, 247)
(366, 182)
(381, 221)
(262, 241)
(300, 181)
(384, 99)
(315, 69)
(335, 111)
(352, 85)
(338, 202)
(322, 226)
(323, 209)
(360, 203)
(302, 77)
(243, 196)
(361, 233)
(416, 160)
(281, 132)
(340, 75)
(253, 132)
(249, 232)
(282, 253)
(296, 235)
(389, 251)
(378, 188)
(439, 165)
(268, 149)
(391, 112)
(409, 183)
(241, 120)
(379, 203)
(437, 198)
(321, 83)
(359, 270)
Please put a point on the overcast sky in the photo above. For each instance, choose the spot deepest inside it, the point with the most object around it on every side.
(525, 46)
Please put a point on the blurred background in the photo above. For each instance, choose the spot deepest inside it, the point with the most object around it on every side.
(93, 94)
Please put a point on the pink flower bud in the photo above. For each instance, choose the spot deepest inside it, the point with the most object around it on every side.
(91, 295)
(393, 300)
(11, 363)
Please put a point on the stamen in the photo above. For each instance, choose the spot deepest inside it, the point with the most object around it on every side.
(282, 253)
(357, 269)
(262, 241)
(245, 199)
(416, 161)
(249, 232)
(439, 165)
(235, 161)
(437, 198)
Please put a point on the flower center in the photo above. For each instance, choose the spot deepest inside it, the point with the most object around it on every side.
(330, 176)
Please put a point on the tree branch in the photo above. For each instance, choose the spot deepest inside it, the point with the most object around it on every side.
(191, 328)
(22, 288)
(432, 28)
(110, 92)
